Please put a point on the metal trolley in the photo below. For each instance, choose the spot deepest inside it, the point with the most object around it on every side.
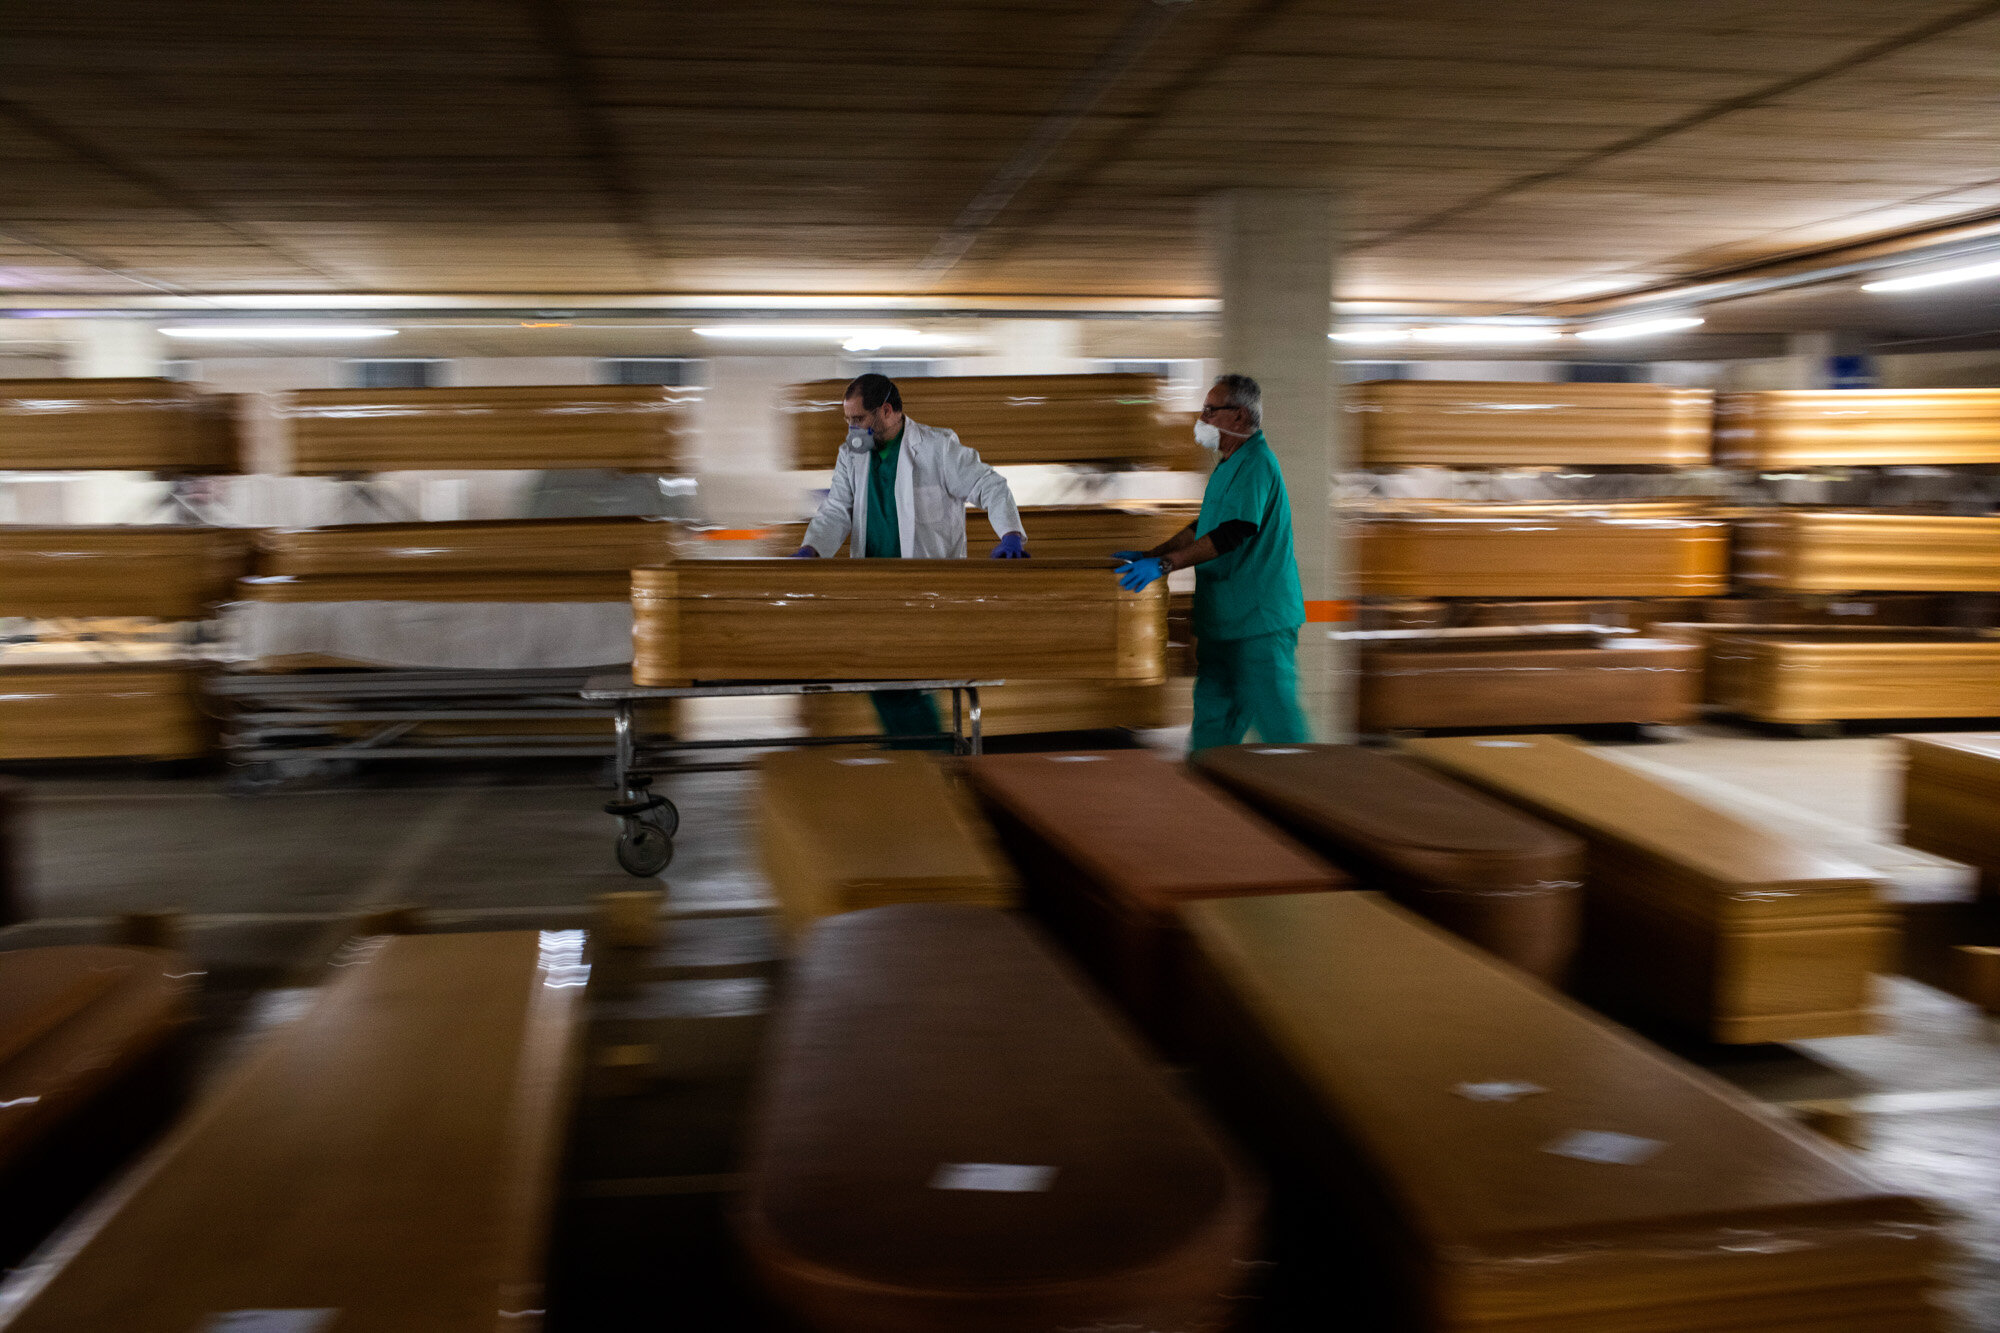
(648, 821)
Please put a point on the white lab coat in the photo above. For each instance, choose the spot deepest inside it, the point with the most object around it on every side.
(935, 478)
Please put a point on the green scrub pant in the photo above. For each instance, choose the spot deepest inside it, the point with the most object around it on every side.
(1243, 685)
(908, 713)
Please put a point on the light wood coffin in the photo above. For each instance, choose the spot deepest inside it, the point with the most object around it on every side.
(1829, 551)
(1022, 708)
(1474, 423)
(954, 1137)
(391, 1156)
(779, 619)
(1554, 555)
(509, 546)
(630, 428)
(136, 425)
(1951, 800)
(101, 712)
(1790, 428)
(1418, 685)
(1510, 1163)
(154, 570)
(845, 830)
(1690, 915)
(610, 586)
(1799, 677)
(1010, 419)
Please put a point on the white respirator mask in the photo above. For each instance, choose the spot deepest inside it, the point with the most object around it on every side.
(860, 439)
(1207, 435)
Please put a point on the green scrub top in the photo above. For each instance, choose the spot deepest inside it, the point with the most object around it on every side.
(1254, 589)
(885, 536)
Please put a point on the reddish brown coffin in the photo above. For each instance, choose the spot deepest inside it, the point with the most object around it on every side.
(1480, 869)
(1421, 685)
(918, 1041)
(1110, 842)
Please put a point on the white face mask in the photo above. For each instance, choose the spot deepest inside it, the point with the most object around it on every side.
(1207, 435)
(860, 439)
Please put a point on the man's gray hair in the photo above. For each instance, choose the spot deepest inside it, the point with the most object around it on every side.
(1244, 393)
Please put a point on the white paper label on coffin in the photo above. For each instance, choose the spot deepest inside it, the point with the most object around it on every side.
(993, 1177)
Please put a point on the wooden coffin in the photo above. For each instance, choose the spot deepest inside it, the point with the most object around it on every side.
(1109, 842)
(894, 620)
(1561, 555)
(1545, 611)
(953, 1137)
(155, 570)
(1420, 685)
(1013, 419)
(509, 546)
(390, 1156)
(1691, 916)
(1479, 868)
(1830, 551)
(1789, 428)
(1401, 614)
(1475, 423)
(1951, 800)
(1022, 708)
(101, 712)
(1800, 677)
(609, 586)
(1088, 532)
(1507, 1162)
(846, 830)
(133, 425)
(1890, 609)
(627, 427)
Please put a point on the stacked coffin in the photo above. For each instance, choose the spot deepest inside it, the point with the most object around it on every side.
(1951, 800)
(1565, 555)
(1110, 842)
(508, 593)
(141, 711)
(1469, 423)
(1023, 708)
(894, 620)
(1858, 428)
(1525, 678)
(1012, 419)
(843, 831)
(135, 425)
(1813, 676)
(952, 1134)
(1505, 1162)
(1692, 917)
(1477, 867)
(1842, 552)
(629, 428)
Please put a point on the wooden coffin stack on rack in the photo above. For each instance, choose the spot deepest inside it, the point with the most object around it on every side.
(1807, 677)
(1436, 680)
(1692, 917)
(843, 831)
(149, 711)
(1951, 800)
(1011, 419)
(778, 619)
(1794, 428)
(1568, 555)
(1876, 610)
(1470, 423)
(134, 425)
(151, 570)
(1505, 1162)
(1832, 551)
(628, 428)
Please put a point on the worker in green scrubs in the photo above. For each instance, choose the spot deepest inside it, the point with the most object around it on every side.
(1247, 602)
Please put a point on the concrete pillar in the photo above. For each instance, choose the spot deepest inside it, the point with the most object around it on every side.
(1274, 253)
(113, 349)
(1031, 347)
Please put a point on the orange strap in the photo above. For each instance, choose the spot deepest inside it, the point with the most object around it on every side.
(735, 534)
(1329, 613)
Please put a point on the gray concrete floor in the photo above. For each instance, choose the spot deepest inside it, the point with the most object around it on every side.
(268, 880)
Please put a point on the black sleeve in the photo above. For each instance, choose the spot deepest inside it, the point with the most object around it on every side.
(1230, 534)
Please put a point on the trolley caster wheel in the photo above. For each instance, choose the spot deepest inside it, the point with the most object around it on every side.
(644, 848)
(668, 816)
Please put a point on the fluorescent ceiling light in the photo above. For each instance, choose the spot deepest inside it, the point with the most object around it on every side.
(1640, 328)
(1486, 333)
(263, 332)
(851, 337)
(1972, 273)
(1364, 334)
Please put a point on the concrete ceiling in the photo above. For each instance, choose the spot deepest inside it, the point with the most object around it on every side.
(1490, 156)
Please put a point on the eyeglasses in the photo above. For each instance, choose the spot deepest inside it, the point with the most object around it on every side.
(1207, 409)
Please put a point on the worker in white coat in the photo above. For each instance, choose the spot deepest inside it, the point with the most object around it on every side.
(899, 490)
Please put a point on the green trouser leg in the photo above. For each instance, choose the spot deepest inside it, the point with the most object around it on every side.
(1244, 685)
(907, 713)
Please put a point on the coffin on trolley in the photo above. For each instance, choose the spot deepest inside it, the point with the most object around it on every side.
(1472, 423)
(1548, 555)
(1824, 551)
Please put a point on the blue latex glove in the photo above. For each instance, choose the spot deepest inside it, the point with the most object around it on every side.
(1134, 575)
(1127, 557)
(805, 553)
(1012, 547)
